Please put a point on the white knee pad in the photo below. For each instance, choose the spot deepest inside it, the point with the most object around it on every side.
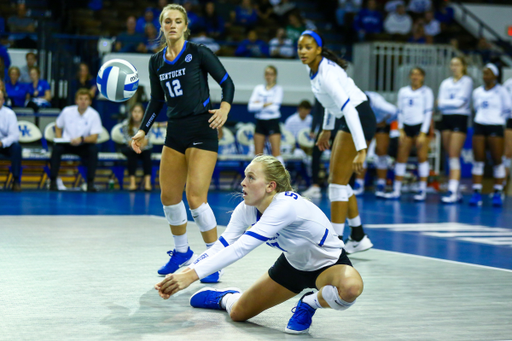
(333, 299)
(338, 192)
(176, 214)
(204, 217)
(400, 169)
(454, 163)
(350, 191)
(381, 162)
(478, 168)
(507, 162)
(499, 171)
(423, 169)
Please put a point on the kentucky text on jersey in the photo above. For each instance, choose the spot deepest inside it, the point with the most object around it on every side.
(172, 74)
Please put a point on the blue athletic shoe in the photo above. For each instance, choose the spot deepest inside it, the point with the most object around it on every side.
(497, 200)
(213, 278)
(476, 199)
(301, 320)
(177, 260)
(209, 298)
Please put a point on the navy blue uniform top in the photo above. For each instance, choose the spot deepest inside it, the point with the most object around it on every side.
(183, 83)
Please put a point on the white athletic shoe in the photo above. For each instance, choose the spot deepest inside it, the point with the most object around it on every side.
(392, 195)
(451, 198)
(420, 196)
(312, 192)
(351, 246)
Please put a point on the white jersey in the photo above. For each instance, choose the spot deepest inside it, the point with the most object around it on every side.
(291, 224)
(75, 125)
(9, 132)
(338, 94)
(294, 123)
(384, 111)
(492, 106)
(415, 107)
(260, 96)
(508, 86)
(454, 97)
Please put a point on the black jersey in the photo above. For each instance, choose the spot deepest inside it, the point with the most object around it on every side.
(183, 83)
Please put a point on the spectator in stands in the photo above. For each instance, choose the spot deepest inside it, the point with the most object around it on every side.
(344, 7)
(283, 8)
(445, 13)
(300, 120)
(245, 15)
(129, 41)
(392, 5)
(7, 100)
(78, 126)
(295, 27)
(31, 59)
(195, 22)
(129, 129)
(418, 34)
(399, 22)
(252, 47)
(148, 18)
(16, 90)
(368, 21)
(6, 61)
(151, 43)
(160, 4)
(22, 28)
(213, 23)
(9, 135)
(2, 25)
(281, 46)
(265, 11)
(202, 38)
(39, 94)
(432, 26)
(83, 80)
(419, 6)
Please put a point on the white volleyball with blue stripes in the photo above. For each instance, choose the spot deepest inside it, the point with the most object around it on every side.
(117, 80)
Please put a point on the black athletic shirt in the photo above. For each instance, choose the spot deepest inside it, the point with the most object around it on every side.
(183, 83)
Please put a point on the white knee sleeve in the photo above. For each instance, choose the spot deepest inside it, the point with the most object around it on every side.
(176, 214)
(499, 171)
(478, 168)
(350, 191)
(338, 192)
(400, 169)
(423, 169)
(454, 163)
(382, 162)
(333, 299)
(507, 162)
(204, 217)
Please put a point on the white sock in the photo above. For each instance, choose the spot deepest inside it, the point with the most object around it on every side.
(477, 187)
(181, 243)
(354, 222)
(228, 300)
(397, 186)
(338, 228)
(498, 188)
(453, 186)
(312, 300)
(209, 245)
(423, 185)
(381, 182)
(360, 182)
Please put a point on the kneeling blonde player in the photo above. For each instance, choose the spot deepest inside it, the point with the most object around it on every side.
(313, 256)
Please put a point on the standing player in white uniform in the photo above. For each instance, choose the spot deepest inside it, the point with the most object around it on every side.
(341, 98)
(385, 113)
(493, 106)
(265, 102)
(312, 256)
(507, 158)
(453, 101)
(415, 105)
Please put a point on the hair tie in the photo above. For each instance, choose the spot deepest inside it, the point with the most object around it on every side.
(314, 35)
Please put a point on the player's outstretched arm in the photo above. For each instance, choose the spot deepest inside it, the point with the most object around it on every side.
(174, 283)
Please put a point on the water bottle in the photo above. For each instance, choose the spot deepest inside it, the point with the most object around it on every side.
(111, 183)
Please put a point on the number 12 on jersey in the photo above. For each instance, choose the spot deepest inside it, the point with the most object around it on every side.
(176, 85)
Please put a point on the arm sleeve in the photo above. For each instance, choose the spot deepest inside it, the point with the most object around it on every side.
(400, 112)
(429, 102)
(59, 122)
(506, 102)
(96, 127)
(156, 102)
(13, 134)
(253, 106)
(329, 120)
(214, 67)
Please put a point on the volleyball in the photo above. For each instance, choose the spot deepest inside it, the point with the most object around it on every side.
(117, 80)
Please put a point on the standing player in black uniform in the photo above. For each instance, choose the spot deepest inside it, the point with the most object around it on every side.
(179, 77)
